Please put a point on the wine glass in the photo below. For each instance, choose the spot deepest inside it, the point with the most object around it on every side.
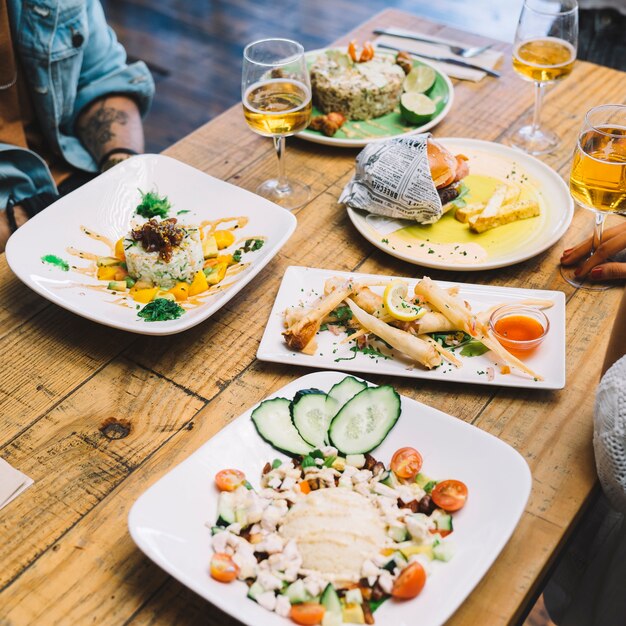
(276, 96)
(598, 177)
(544, 52)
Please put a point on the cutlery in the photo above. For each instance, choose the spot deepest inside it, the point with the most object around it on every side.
(444, 60)
(466, 53)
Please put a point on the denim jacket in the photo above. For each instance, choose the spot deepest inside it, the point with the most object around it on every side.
(69, 57)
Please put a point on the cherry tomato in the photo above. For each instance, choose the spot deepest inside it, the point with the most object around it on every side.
(229, 479)
(449, 495)
(367, 53)
(223, 568)
(307, 613)
(406, 463)
(410, 582)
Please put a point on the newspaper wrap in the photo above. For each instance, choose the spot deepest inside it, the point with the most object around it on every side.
(393, 178)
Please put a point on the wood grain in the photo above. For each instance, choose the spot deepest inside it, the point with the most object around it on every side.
(66, 556)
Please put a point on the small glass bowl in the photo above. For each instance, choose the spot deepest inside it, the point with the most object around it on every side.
(516, 345)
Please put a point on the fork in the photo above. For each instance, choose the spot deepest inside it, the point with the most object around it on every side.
(466, 53)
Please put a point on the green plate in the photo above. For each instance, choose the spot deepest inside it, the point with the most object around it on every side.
(356, 134)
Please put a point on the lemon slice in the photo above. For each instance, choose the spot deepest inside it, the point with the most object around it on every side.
(416, 108)
(420, 79)
(397, 305)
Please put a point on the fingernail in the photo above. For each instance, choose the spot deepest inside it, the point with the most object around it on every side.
(596, 272)
(566, 252)
(577, 271)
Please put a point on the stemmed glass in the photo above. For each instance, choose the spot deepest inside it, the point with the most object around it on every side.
(276, 96)
(544, 52)
(598, 178)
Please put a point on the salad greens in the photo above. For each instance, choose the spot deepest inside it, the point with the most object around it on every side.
(161, 310)
(153, 205)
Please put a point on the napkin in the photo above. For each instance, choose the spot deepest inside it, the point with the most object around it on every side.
(488, 58)
(12, 483)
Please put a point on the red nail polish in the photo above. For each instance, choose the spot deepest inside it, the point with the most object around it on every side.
(566, 252)
(596, 272)
(577, 271)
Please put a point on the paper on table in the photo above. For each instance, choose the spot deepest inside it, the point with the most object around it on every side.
(488, 59)
(12, 483)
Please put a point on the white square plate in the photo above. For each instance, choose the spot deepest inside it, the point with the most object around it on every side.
(106, 205)
(168, 521)
(305, 284)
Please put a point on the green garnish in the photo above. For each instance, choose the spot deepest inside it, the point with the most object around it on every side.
(153, 205)
(237, 255)
(474, 348)
(368, 350)
(252, 245)
(276, 463)
(52, 259)
(183, 212)
(161, 310)
(342, 313)
(460, 201)
(430, 485)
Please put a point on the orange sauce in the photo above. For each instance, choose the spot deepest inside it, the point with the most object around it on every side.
(514, 328)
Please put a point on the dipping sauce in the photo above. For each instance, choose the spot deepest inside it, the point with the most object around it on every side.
(519, 329)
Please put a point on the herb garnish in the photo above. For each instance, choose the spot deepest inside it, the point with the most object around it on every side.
(161, 310)
(252, 245)
(342, 313)
(153, 205)
(474, 348)
(460, 201)
(368, 350)
(52, 259)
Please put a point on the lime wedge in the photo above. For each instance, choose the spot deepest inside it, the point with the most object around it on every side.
(416, 108)
(420, 79)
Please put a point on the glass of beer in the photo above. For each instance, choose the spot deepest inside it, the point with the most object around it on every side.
(276, 96)
(544, 52)
(598, 178)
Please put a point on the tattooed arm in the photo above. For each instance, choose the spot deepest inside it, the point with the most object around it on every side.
(109, 123)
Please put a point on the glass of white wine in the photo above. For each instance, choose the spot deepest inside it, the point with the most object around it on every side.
(276, 96)
(544, 52)
(598, 177)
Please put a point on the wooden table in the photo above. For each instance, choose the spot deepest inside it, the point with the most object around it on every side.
(96, 415)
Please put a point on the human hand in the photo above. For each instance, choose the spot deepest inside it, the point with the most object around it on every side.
(5, 231)
(596, 266)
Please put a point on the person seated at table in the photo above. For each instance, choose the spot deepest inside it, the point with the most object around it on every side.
(608, 262)
(588, 587)
(70, 105)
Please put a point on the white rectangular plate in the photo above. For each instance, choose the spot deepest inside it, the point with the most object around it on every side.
(106, 205)
(305, 284)
(168, 522)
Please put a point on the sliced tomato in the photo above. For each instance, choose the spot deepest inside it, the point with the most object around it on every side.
(410, 582)
(229, 479)
(223, 568)
(449, 495)
(307, 613)
(406, 463)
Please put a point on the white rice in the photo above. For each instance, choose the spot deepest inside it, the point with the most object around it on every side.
(187, 259)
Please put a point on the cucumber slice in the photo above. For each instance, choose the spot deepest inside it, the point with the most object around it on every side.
(444, 522)
(343, 391)
(310, 416)
(255, 590)
(330, 600)
(272, 419)
(365, 420)
(226, 507)
(443, 551)
(296, 592)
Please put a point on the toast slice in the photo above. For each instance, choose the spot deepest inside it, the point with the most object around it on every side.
(507, 214)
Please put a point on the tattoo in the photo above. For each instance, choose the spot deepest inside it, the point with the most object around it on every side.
(96, 131)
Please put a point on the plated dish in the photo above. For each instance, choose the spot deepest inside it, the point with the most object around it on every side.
(340, 320)
(368, 95)
(474, 235)
(156, 261)
(172, 521)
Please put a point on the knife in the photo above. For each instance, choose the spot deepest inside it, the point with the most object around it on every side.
(392, 32)
(443, 60)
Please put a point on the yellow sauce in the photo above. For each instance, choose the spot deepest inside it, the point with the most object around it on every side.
(453, 241)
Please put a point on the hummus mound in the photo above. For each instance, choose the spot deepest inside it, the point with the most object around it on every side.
(335, 530)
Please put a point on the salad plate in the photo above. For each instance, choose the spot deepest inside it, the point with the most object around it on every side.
(301, 286)
(450, 245)
(171, 521)
(58, 252)
(356, 134)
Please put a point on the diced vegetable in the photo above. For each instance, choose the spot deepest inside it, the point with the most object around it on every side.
(330, 600)
(106, 261)
(426, 550)
(224, 238)
(130, 282)
(226, 507)
(389, 479)
(168, 296)
(117, 285)
(272, 419)
(397, 532)
(209, 247)
(143, 284)
(145, 295)
(365, 420)
(119, 249)
(443, 551)
(422, 480)
(218, 274)
(107, 272)
(356, 460)
(444, 522)
(309, 416)
(255, 590)
(296, 592)
(199, 284)
(353, 614)
(180, 291)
